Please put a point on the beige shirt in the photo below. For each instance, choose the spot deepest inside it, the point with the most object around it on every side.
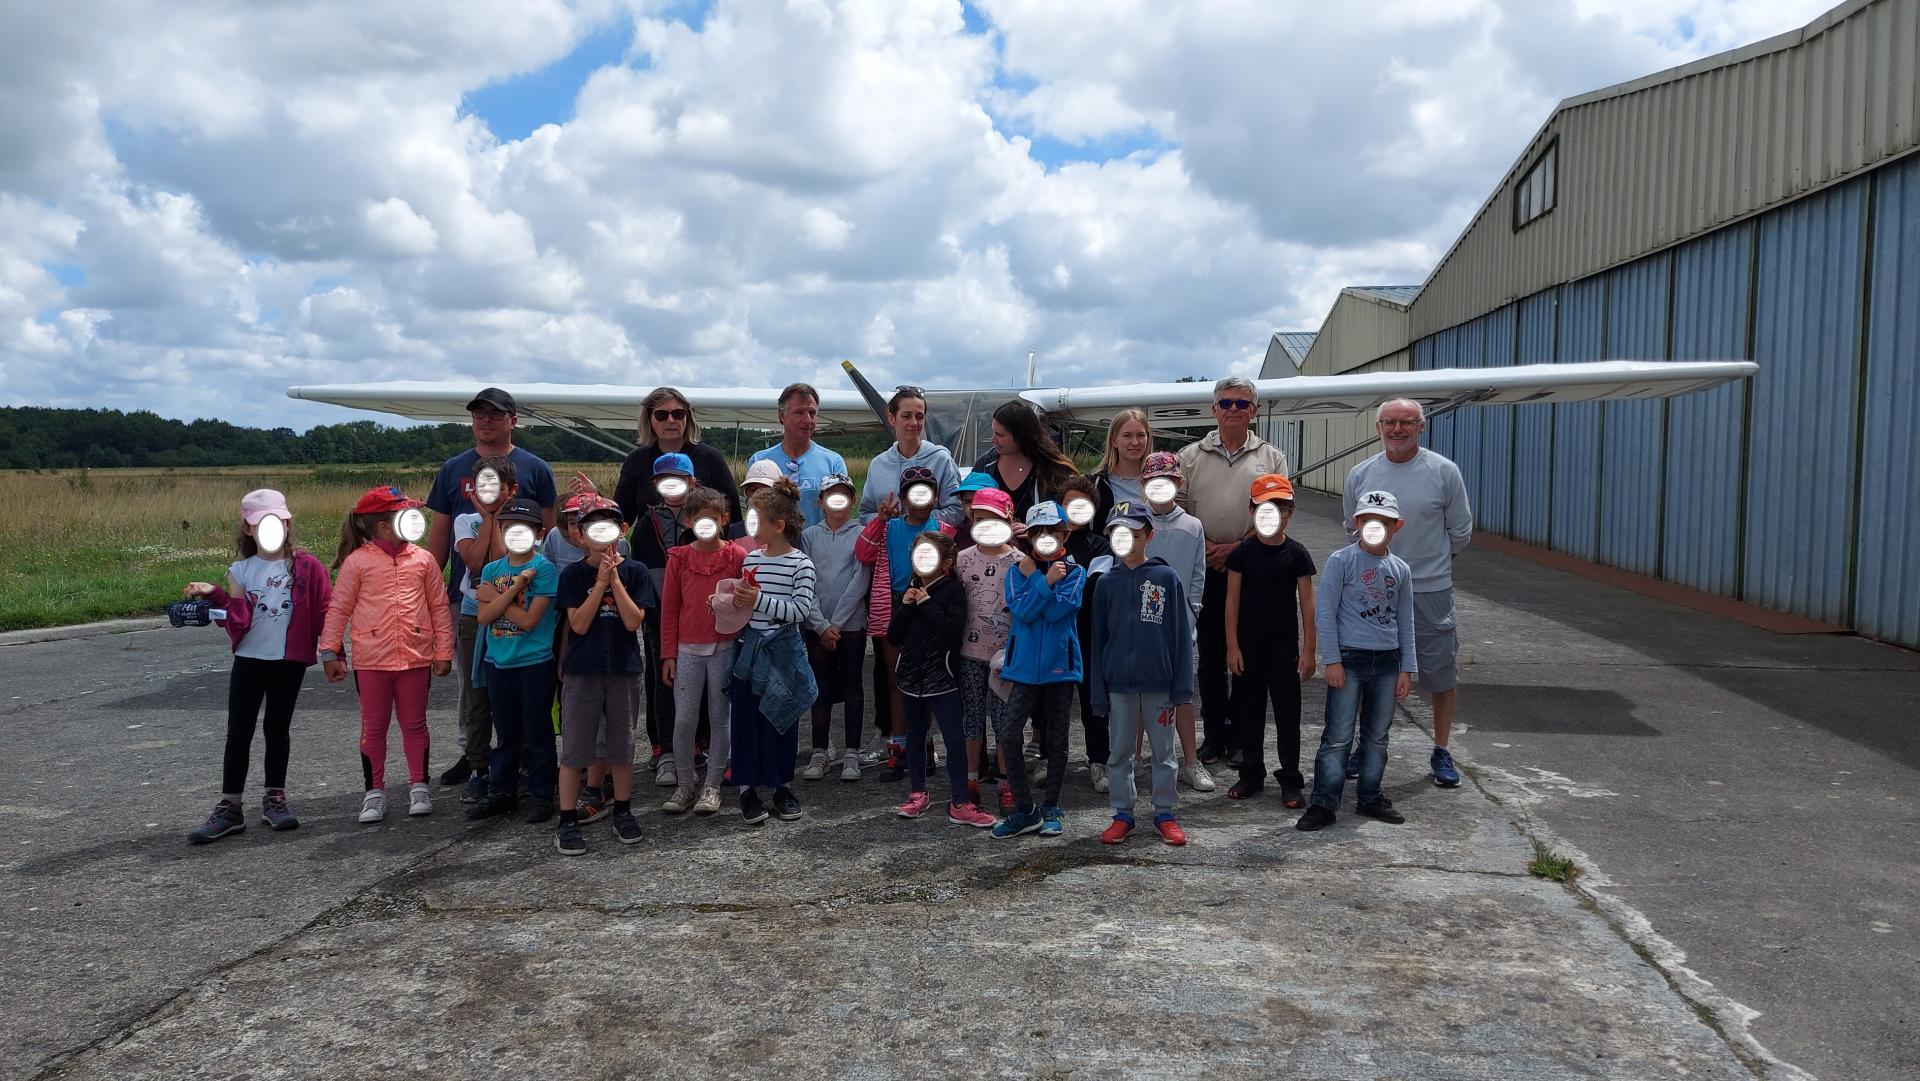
(1218, 488)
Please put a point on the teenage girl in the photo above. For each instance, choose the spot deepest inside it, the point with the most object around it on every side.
(390, 598)
(275, 599)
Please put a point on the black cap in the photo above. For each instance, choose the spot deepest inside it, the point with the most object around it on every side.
(522, 510)
(497, 398)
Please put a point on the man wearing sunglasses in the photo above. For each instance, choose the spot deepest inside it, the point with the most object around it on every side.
(1218, 471)
(797, 456)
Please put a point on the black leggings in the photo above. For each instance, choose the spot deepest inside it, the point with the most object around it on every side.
(837, 673)
(252, 681)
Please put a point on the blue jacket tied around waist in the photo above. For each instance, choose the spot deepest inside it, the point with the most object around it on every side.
(775, 663)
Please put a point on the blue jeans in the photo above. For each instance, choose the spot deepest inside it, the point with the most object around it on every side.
(1368, 699)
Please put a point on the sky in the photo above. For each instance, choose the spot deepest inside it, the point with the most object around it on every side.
(203, 203)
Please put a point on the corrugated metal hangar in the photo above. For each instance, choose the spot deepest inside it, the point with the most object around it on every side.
(1761, 204)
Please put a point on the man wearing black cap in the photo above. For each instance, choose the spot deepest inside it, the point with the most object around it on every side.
(494, 414)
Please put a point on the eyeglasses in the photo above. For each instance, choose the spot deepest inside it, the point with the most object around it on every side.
(1399, 424)
(488, 414)
(1234, 403)
(669, 414)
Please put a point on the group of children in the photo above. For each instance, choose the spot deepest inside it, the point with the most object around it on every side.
(763, 623)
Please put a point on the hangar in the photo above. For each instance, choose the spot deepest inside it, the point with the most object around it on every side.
(1760, 204)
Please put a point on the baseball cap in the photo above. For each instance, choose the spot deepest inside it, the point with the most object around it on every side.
(1271, 486)
(976, 481)
(521, 510)
(495, 397)
(587, 504)
(1044, 515)
(836, 480)
(994, 501)
(385, 500)
(1378, 503)
(1127, 514)
(261, 502)
(1160, 463)
(761, 472)
(917, 474)
(673, 462)
(727, 617)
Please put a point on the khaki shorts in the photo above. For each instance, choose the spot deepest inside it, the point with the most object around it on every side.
(596, 711)
(1436, 640)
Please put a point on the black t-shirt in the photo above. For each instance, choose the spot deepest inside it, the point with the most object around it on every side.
(1269, 582)
(608, 646)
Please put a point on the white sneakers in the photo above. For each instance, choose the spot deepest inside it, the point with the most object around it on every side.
(851, 770)
(664, 775)
(1099, 772)
(373, 807)
(816, 766)
(1197, 777)
(681, 799)
(419, 802)
(708, 802)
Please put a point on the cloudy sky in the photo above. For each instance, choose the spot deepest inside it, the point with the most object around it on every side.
(204, 203)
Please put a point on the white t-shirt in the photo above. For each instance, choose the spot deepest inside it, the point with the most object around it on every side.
(465, 528)
(266, 586)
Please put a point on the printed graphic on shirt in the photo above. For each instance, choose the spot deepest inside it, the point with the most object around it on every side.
(261, 609)
(1377, 589)
(991, 621)
(504, 627)
(1153, 603)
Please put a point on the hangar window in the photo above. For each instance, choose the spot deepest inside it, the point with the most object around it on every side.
(1534, 194)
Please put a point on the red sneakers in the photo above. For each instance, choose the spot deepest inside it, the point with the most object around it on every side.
(968, 814)
(1006, 796)
(1116, 832)
(1170, 831)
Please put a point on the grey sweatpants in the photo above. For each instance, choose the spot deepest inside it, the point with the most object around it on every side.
(1126, 715)
(693, 675)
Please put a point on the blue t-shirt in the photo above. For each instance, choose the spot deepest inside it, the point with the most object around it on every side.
(900, 537)
(805, 472)
(507, 645)
(452, 491)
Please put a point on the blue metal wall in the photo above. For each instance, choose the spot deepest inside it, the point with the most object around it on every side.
(1576, 429)
(1631, 432)
(1887, 590)
(1707, 433)
(1493, 499)
(1533, 424)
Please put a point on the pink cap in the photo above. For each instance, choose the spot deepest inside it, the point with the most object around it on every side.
(994, 500)
(261, 502)
(728, 617)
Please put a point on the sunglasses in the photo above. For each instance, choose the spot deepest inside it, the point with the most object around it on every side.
(910, 391)
(1234, 403)
(488, 414)
(669, 414)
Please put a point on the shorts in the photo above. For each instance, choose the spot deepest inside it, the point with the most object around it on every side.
(1436, 640)
(596, 718)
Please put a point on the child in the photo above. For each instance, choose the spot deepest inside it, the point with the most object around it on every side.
(1141, 661)
(516, 606)
(563, 546)
(1088, 547)
(1365, 617)
(696, 656)
(605, 596)
(658, 531)
(884, 545)
(1266, 575)
(1179, 539)
(275, 599)
(772, 685)
(926, 629)
(1043, 664)
(476, 540)
(837, 626)
(760, 477)
(391, 594)
(982, 570)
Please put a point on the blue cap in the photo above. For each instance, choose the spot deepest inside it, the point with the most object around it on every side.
(673, 462)
(1043, 515)
(976, 481)
(1127, 514)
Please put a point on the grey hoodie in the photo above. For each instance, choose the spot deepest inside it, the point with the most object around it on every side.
(883, 480)
(840, 593)
(1178, 539)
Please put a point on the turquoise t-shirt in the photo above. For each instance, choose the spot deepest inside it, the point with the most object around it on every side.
(900, 537)
(507, 645)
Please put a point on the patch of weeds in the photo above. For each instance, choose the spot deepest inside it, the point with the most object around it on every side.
(1551, 865)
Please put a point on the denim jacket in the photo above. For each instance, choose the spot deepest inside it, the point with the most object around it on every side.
(775, 663)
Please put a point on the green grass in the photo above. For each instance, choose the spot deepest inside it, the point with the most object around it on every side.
(1551, 865)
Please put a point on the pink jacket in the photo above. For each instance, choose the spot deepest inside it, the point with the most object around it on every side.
(396, 603)
(311, 593)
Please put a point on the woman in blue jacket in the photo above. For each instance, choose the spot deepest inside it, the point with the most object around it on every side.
(1043, 664)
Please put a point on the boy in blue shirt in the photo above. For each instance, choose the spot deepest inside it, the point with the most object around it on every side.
(1043, 664)
(1364, 609)
(517, 611)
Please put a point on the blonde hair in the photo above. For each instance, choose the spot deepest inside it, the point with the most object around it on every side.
(1120, 420)
(356, 530)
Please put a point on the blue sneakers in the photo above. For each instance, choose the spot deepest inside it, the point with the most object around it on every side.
(1016, 823)
(1052, 820)
(1444, 773)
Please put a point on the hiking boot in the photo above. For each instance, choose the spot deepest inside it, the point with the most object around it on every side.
(275, 812)
(709, 801)
(1170, 831)
(476, 788)
(1293, 791)
(1381, 809)
(916, 805)
(681, 800)
(457, 773)
(1117, 830)
(570, 840)
(816, 766)
(1316, 818)
(1016, 823)
(625, 828)
(497, 804)
(226, 818)
(785, 806)
(751, 809)
(1445, 774)
(373, 807)
(419, 800)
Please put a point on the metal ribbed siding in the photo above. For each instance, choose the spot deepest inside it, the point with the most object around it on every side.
(1533, 424)
(1887, 590)
(1357, 332)
(1630, 469)
(1469, 352)
(1444, 353)
(1576, 430)
(1806, 340)
(1493, 500)
(1706, 433)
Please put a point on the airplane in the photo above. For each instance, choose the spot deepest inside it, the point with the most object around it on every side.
(959, 418)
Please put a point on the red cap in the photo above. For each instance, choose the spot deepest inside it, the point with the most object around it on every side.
(384, 500)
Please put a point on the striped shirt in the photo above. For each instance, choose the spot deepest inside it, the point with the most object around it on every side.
(786, 588)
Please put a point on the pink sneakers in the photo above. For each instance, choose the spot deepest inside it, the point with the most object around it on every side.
(915, 806)
(969, 814)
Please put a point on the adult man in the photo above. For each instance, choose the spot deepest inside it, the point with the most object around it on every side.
(494, 416)
(1219, 470)
(1438, 524)
(797, 455)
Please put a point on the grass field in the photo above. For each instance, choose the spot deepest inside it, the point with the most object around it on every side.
(84, 545)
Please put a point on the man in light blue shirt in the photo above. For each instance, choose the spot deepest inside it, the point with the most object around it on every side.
(797, 456)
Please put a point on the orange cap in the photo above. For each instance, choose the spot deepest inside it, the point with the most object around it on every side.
(1270, 486)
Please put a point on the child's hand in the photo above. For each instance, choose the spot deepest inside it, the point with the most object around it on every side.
(442, 669)
(830, 638)
(667, 670)
(746, 596)
(1055, 572)
(581, 484)
(336, 670)
(609, 563)
(913, 596)
(1336, 675)
(1236, 663)
(1307, 665)
(1402, 685)
(196, 590)
(890, 508)
(523, 579)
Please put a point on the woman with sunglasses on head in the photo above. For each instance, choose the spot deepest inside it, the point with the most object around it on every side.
(907, 415)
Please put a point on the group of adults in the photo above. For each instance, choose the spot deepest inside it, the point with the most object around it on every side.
(1026, 463)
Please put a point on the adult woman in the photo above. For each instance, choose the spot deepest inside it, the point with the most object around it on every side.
(1129, 441)
(667, 418)
(907, 413)
(1025, 462)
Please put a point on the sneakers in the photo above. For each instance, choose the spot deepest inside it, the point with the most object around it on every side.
(1197, 777)
(1098, 770)
(1245, 789)
(1053, 821)
(816, 766)
(539, 810)
(1017, 823)
(709, 801)
(1117, 830)
(1316, 818)
(1006, 797)
(916, 805)
(664, 775)
(751, 809)
(1209, 752)
(569, 840)
(373, 806)
(875, 754)
(274, 811)
(785, 806)
(850, 768)
(476, 788)
(1381, 809)
(590, 808)
(1170, 831)
(1444, 773)
(1353, 764)
(419, 800)
(969, 814)
(497, 804)
(457, 773)
(226, 818)
(896, 768)
(681, 800)
(625, 828)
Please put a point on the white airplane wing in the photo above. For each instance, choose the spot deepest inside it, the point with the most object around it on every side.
(600, 405)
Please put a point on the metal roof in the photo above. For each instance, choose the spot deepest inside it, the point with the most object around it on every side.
(1401, 295)
(1295, 343)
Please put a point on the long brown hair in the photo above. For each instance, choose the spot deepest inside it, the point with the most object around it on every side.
(666, 394)
(355, 530)
(780, 500)
(704, 500)
(248, 547)
(1121, 420)
(1023, 424)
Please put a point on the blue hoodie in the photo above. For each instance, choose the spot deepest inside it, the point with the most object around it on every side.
(1142, 638)
(1043, 645)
